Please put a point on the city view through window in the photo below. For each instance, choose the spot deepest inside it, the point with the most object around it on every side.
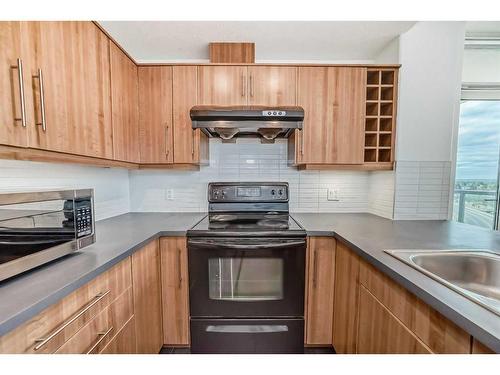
(475, 198)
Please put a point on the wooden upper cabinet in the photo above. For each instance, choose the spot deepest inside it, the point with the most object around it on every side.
(155, 114)
(147, 299)
(15, 88)
(125, 106)
(73, 59)
(222, 85)
(333, 99)
(190, 146)
(320, 290)
(272, 85)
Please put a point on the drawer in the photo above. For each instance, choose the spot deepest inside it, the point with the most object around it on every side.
(94, 336)
(57, 324)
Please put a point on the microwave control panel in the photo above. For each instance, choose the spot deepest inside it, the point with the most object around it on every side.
(83, 217)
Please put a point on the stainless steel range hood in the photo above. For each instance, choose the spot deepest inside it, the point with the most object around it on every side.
(229, 123)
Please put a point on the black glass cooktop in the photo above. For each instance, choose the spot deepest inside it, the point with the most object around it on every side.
(244, 223)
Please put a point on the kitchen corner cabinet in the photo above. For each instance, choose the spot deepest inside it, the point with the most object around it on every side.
(147, 299)
(174, 285)
(155, 115)
(69, 71)
(333, 99)
(320, 290)
(125, 106)
(345, 323)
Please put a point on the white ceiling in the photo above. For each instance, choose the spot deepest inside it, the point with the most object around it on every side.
(292, 41)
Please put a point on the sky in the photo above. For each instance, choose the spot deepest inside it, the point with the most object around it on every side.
(478, 140)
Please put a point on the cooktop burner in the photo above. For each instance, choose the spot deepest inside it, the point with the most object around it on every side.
(247, 222)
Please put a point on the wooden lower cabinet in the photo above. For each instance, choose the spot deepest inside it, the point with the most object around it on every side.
(320, 290)
(345, 308)
(174, 285)
(380, 332)
(479, 348)
(125, 340)
(147, 298)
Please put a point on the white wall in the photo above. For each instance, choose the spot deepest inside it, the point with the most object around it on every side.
(481, 65)
(249, 160)
(111, 186)
(429, 92)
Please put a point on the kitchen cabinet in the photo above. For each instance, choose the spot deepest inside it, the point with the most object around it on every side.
(380, 332)
(222, 85)
(69, 70)
(479, 348)
(16, 112)
(190, 146)
(125, 106)
(57, 324)
(155, 115)
(346, 300)
(272, 85)
(320, 290)
(174, 285)
(333, 99)
(438, 333)
(147, 298)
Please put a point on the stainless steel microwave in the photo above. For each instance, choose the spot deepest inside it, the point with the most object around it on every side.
(39, 227)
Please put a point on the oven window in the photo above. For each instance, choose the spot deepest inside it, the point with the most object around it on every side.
(245, 279)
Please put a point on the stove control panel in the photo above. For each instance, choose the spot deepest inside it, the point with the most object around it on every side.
(248, 192)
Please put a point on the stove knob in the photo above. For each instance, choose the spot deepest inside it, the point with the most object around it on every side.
(273, 192)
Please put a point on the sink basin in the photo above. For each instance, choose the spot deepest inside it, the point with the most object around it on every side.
(473, 273)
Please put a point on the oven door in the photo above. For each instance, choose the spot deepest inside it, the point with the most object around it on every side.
(246, 277)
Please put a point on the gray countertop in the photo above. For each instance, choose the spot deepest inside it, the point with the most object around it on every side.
(25, 296)
(369, 235)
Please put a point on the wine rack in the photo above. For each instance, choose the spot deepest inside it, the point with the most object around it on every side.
(380, 116)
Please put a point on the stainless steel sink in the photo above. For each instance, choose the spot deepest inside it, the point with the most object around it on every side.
(473, 273)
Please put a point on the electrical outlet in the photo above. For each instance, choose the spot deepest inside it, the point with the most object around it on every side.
(332, 195)
(169, 194)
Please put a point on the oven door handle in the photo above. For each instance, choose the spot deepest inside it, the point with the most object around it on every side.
(246, 328)
(246, 246)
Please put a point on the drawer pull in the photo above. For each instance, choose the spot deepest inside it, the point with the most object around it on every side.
(43, 341)
(101, 336)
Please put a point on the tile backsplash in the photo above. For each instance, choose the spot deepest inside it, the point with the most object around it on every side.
(249, 160)
(111, 186)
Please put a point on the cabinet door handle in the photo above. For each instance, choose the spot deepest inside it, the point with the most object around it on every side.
(302, 143)
(101, 336)
(251, 85)
(315, 269)
(20, 76)
(167, 149)
(192, 143)
(43, 341)
(179, 271)
(42, 100)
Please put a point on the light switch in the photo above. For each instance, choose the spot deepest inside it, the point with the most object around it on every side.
(169, 194)
(332, 195)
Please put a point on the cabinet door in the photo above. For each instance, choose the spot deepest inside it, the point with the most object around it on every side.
(174, 282)
(147, 299)
(190, 146)
(222, 85)
(155, 114)
(380, 332)
(333, 100)
(272, 85)
(125, 106)
(73, 59)
(346, 302)
(320, 290)
(15, 86)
